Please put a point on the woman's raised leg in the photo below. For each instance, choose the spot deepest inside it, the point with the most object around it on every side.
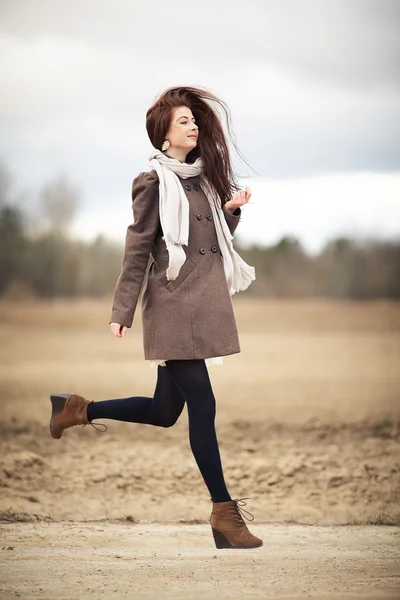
(163, 409)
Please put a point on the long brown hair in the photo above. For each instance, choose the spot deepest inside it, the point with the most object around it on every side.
(211, 143)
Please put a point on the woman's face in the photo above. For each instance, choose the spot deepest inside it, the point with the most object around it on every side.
(183, 131)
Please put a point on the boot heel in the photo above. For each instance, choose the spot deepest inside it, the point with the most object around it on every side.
(220, 540)
(58, 402)
(57, 405)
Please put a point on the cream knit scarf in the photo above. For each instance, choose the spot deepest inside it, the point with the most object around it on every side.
(174, 217)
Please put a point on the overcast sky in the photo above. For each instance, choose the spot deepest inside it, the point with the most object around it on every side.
(313, 87)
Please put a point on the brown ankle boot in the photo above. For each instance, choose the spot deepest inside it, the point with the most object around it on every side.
(228, 527)
(68, 410)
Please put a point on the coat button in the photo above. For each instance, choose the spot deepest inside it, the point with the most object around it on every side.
(202, 250)
(214, 249)
(199, 217)
(188, 187)
(196, 187)
(209, 217)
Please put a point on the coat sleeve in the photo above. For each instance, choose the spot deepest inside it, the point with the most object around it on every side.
(139, 240)
(233, 219)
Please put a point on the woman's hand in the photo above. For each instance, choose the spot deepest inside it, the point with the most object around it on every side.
(118, 329)
(238, 199)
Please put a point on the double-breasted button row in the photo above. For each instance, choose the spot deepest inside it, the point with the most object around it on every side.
(213, 249)
(208, 217)
(188, 187)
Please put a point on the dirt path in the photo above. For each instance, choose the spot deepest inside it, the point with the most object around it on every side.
(109, 560)
(308, 422)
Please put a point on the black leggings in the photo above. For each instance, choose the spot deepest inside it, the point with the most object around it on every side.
(177, 382)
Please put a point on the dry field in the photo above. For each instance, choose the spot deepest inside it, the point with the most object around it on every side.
(308, 420)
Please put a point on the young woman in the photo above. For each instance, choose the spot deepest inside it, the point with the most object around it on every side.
(186, 210)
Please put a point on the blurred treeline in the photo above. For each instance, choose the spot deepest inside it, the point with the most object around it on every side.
(38, 257)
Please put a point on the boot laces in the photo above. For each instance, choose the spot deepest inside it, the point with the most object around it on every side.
(241, 511)
(97, 426)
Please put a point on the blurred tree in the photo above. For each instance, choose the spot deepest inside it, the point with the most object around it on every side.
(59, 200)
(283, 270)
(12, 245)
(100, 266)
(6, 183)
(335, 267)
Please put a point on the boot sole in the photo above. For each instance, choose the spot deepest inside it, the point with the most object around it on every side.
(222, 542)
(57, 403)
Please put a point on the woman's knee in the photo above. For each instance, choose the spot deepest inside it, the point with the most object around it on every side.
(169, 420)
(165, 419)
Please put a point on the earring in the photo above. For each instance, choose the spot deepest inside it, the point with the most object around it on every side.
(165, 145)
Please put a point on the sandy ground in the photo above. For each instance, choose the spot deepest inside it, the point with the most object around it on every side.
(107, 560)
(308, 420)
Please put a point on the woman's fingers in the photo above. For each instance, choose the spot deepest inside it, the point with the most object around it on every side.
(115, 329)
(242, 196)
(118, 329)
(237, 198)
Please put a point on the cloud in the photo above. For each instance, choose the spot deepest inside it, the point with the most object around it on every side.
(312, 86)
(353, 43)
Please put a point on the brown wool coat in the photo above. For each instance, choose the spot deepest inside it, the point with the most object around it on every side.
(192, 316)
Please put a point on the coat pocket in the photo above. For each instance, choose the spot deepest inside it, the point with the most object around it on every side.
(184, 271)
